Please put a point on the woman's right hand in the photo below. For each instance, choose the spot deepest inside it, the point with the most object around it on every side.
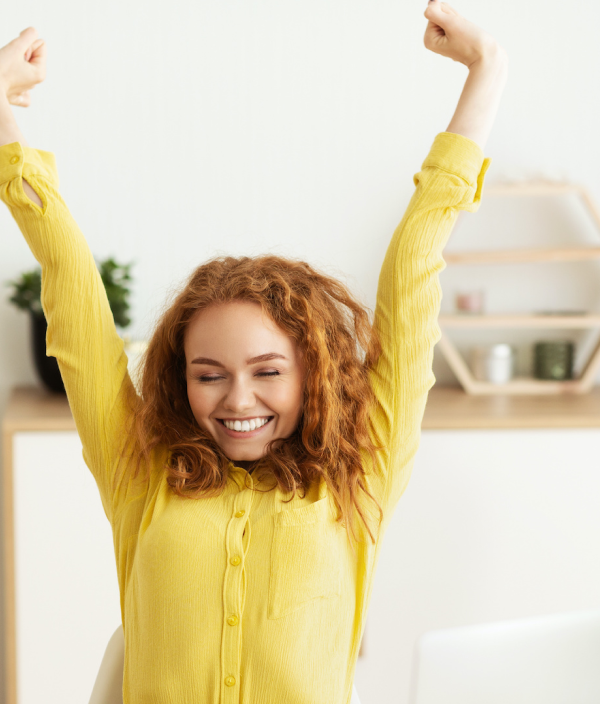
(451, 35)
(22, 66)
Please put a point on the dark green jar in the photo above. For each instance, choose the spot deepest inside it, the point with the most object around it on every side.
(553, 360)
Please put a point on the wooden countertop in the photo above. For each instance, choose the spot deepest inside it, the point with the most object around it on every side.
(32, 408)
(451, 408)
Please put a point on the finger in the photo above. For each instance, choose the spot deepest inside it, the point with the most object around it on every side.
(38, 56)
(434, 37)
(433, 31)
(435, 13)
(28, 32)
(25, 38)
(23, 100)
(448, 9)
(36, 44)
(31, 49)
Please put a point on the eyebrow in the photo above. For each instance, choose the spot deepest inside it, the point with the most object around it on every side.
(254, 360)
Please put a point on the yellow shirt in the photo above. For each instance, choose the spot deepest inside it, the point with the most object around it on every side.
(241, 598)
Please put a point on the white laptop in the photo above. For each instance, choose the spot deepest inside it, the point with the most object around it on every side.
(547, 660)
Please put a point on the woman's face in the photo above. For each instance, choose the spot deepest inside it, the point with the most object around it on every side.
(245, 378)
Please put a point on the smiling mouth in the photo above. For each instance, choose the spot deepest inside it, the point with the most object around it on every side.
(245, 426)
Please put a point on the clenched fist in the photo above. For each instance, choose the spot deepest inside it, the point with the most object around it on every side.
(22, 66)
(451, 35)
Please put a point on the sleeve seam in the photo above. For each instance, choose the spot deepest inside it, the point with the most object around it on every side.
(452, 173)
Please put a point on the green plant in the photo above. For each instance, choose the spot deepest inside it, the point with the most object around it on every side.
(27, 290)
(116, 278)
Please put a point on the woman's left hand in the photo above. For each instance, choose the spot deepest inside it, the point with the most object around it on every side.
(22, 66)
(451, 35)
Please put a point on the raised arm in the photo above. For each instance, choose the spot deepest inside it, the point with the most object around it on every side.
(408, 296)
(22, 65)
(81, 331)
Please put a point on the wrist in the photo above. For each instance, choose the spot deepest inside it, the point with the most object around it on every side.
(480, 98)
(492, 59)
(9, 129)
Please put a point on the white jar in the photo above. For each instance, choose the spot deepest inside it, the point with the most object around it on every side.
(493, 363)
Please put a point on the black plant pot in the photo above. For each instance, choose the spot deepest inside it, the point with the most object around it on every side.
(47, 367)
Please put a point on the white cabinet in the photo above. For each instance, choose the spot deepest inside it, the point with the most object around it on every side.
(495, 524)
(66, 597)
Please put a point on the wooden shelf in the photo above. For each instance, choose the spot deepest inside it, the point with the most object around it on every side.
(451, 408)
(523, 256)
(582, 385)
(516, 320)
(536, 321)
(525, 385)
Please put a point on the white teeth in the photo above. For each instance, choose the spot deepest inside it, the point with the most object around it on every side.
(245, 426)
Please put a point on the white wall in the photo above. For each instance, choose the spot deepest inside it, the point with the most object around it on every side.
(495, 525)
(281, 126)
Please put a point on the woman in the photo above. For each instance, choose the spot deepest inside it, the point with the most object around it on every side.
(251, 481)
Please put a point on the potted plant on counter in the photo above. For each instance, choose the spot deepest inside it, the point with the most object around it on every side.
(26, 295)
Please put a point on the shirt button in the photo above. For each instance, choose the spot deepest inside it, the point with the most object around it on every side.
(240, 513)
(14, 160)
(232, 620)
(235, 560)
(230, 681)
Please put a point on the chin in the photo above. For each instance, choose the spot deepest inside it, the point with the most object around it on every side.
(244, 456)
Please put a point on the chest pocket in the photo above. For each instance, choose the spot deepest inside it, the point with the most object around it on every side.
(305, 558)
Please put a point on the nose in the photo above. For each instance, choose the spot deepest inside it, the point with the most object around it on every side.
(239, 397)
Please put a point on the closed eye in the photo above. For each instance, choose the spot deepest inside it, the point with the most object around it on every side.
(209, 379)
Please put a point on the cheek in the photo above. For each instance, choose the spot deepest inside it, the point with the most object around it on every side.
(201, 401)
(289, 401)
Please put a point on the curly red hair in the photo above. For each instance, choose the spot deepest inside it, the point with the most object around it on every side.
(338, 345)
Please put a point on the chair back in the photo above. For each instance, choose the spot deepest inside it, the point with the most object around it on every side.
(108, 688)
(546, 660)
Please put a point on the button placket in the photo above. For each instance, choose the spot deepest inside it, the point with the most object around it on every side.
(234, 588)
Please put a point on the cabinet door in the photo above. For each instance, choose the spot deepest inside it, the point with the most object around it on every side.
(495, 524)
(67, 597)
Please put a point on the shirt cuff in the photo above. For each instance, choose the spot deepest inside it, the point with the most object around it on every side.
(462, 157)
(17, 160)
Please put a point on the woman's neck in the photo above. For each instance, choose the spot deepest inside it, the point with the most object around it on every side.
(248, 465)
